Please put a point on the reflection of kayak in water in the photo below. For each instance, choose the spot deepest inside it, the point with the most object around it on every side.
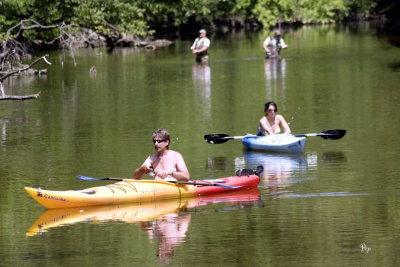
(276, 143)
(128, 213)
(271, 162)
(280, 170)
(133, 213)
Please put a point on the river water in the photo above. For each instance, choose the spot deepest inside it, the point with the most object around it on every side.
(335, 204)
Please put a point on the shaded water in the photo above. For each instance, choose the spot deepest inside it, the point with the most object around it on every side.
(335, 204)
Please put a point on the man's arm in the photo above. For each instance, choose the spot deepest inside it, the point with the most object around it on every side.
(194, 44)
(283, 44)
(266, 43)
(182, 172)
(142, 170)
(199, 51)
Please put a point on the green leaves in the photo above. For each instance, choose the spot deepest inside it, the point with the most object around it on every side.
(269, 12)
(142, 17)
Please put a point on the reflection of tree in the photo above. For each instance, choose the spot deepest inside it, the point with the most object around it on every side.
(334, 156)
(170, 230)
(216, 165)
(275, 76)
(18, 120)
(3, 130)
(201, 75)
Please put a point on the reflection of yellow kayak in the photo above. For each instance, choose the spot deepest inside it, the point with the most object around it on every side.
(131, 213)
(138, 191)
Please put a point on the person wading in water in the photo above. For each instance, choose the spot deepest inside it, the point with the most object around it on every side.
(273, 45)
(200, 47)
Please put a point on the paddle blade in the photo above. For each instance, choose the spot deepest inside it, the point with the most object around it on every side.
(229, 187)
(217, 138)
(332, 134)
(86, 178)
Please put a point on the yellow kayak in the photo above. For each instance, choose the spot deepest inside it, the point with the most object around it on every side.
(132, 213)
(138, 191)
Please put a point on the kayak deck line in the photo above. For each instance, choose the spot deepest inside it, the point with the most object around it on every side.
(121, 187)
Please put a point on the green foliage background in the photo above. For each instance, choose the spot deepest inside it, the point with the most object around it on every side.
(144, 17)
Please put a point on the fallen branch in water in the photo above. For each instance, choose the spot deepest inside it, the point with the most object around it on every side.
(9, 74)
(19, 97)
(25, 68)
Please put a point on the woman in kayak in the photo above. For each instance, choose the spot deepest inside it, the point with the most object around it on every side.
(166, 164)
(272, 122)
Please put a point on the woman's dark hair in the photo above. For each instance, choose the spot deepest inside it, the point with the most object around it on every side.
(270, 103)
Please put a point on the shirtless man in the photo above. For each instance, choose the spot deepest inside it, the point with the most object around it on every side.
(166, 164)
(272, 122)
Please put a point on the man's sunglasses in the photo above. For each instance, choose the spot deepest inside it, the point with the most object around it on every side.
(158, 141)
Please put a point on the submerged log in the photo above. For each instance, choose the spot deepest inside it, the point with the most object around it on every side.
(19, 97)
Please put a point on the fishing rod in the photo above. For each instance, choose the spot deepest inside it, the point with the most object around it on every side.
(291, 119)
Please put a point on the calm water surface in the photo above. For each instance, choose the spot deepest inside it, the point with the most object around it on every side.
(336, 204)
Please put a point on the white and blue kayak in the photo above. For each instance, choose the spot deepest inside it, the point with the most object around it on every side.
(290, 143)
(287, 143)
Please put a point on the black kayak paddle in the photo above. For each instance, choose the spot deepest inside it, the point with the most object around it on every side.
(327, 134)
(87, 178)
